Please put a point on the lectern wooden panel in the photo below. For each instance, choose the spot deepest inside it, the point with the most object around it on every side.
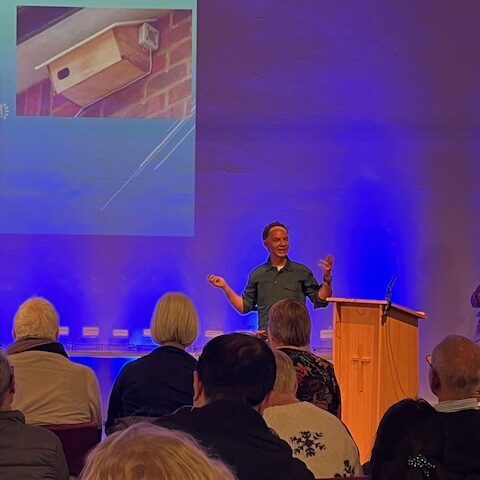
(375, 354)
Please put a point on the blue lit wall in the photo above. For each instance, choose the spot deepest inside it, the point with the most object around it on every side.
(355, 123)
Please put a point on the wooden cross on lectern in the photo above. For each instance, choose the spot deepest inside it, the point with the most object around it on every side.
(361, 361)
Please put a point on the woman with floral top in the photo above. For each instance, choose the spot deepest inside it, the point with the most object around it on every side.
(289, 330)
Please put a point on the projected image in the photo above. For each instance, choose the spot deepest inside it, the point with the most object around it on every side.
(92, 62)
(126, 164)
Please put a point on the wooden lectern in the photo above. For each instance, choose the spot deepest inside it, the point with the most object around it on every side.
(375, 355)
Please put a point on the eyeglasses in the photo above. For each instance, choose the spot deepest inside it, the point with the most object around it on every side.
(428, 358)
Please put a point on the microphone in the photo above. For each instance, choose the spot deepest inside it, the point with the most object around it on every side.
(388, 295)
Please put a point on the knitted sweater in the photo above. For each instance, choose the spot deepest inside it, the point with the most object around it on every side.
(317, 437)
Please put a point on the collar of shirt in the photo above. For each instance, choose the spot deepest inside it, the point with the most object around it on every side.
(287, 266)
(449, 406)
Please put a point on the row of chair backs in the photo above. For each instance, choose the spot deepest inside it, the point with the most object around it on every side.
(77, 440)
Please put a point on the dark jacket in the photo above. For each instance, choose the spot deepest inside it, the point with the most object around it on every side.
(153, 385)
(462, 443)
(241, 438)
(27, 452)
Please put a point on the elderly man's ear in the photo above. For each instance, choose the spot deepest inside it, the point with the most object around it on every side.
(435, 383)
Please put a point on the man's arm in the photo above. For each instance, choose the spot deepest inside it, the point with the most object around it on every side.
(233, 297)
(325, 289)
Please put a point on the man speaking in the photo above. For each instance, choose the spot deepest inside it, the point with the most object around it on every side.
(277, 279)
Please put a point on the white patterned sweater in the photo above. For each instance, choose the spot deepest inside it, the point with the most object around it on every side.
(317, 437)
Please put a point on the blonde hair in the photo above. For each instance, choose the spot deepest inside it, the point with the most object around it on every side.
(286, 379)
(36, 317)
(289, 323)
(174, 319)
(149, 452)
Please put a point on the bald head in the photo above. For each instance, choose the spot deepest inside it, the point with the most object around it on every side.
(456, 366)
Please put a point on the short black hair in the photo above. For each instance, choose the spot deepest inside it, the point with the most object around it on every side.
(237, 367)
(267, 229)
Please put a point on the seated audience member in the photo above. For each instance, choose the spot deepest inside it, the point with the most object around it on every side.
(161, 381)
(26, 452)
(317, 437)
(51, 389)
(475, 300)
(235, 372)
(148, 452)
(289, 328)
(455, 379)
(409, 443)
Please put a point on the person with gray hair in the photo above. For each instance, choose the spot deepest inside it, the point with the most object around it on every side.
(317, 438)
(26, 452)
(289, 330)
(455, 379)
(51, 388)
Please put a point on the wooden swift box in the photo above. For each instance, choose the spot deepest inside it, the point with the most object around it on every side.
(100, 64)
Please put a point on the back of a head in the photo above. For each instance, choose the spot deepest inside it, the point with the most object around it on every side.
(289, 323)
(286, 378)
(174, 319)
(237, 367)
(409, 434)
(149, 452)
(36, 318)
(5, 377)
(456, 359)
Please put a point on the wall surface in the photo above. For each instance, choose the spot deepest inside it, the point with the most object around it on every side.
(355, 123)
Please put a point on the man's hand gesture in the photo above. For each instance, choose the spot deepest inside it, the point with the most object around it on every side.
(217, 281)
(326, 264)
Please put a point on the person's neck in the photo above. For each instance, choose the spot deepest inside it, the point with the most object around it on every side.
(173, 344)
(305, 348)
(278, 261)
(6, 406)
(278, 399)
(450, 396)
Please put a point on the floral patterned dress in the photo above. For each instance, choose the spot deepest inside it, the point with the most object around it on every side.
(316, 380)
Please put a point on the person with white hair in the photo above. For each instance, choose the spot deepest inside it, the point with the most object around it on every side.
(148, 452)
(26, 452)
(455, 380)
(317, 438)
(51, 389)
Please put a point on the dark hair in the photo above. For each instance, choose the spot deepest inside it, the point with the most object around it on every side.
(267, 229)
(289, 322)
(237, 367)
(408, 428)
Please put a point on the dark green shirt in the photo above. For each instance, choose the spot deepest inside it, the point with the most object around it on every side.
(267, 285)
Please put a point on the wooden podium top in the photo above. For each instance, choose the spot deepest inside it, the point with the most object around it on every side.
(360, 301)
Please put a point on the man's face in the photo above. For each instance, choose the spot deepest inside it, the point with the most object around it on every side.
(277, 242)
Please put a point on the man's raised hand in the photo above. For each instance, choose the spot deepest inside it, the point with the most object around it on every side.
(326, 264)
(217, 281)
